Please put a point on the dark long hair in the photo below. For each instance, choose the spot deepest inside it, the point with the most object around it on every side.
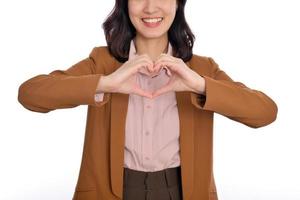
(119, 31)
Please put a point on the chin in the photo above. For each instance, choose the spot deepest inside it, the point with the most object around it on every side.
(152, 34)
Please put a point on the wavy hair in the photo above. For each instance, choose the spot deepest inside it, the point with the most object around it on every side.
(119, 31)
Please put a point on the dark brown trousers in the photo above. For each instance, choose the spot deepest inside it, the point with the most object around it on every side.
(159, 185)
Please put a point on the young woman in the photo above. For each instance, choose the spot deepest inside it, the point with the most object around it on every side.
(150, 104)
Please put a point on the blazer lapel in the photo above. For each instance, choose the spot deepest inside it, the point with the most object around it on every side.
(119, 104)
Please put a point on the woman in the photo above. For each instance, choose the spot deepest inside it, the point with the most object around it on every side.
(150, 104)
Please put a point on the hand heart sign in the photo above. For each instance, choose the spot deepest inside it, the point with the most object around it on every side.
(182, 78)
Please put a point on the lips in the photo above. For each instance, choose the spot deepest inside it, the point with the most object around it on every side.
(152, 22)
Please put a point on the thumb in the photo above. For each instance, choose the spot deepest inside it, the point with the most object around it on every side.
(141, 92)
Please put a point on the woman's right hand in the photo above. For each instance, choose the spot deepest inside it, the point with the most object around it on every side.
(123, 80)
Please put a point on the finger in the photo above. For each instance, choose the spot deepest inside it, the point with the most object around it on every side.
(164, 56)
(157, 67)
(144, 64)
(150, 67)
(146, 57)
(139, 91)
(169, 64)
(160, 65)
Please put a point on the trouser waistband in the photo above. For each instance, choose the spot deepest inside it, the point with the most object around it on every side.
(152, 180)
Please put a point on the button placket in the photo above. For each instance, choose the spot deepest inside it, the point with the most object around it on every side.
(147, 136)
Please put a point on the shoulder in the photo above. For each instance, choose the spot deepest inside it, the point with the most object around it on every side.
(101, 52)
(203, 64)
(203, 59)
(102, 58)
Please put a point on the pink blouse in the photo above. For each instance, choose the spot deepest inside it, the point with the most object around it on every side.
(152, 125)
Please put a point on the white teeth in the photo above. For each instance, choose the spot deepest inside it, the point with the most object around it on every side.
(152, 20)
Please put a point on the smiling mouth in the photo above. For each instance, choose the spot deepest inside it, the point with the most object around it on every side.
(152, 20)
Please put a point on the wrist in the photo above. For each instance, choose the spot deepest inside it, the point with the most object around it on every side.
(200, 86)
(102, 84)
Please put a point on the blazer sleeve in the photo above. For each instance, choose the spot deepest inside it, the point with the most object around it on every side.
(64, 88)
(234, 99)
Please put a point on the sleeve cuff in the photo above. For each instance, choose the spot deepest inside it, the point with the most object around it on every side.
(99, 97)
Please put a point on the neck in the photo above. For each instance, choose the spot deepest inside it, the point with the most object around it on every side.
(153, 46)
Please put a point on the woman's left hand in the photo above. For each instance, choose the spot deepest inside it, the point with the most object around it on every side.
(182, 79)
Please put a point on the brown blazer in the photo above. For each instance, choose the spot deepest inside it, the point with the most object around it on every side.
(101, 171)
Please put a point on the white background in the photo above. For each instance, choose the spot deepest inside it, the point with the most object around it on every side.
(255, 42)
